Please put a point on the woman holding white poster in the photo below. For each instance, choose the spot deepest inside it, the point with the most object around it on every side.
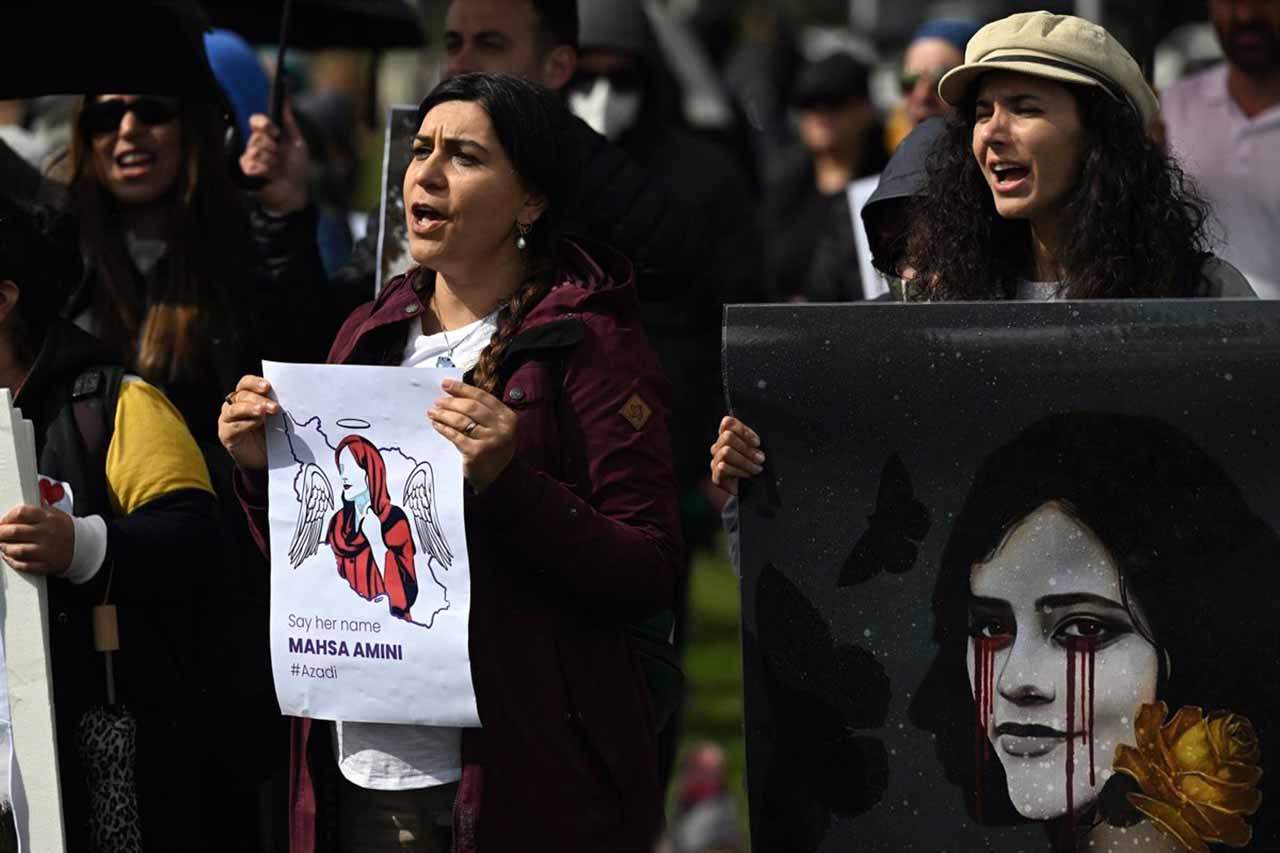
(571, 513)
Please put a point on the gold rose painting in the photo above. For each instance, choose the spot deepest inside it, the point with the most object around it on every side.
(1197, 776)
(1024, 600)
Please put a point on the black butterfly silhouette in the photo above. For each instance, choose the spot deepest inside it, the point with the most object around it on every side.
(822, 696)
(898, 524)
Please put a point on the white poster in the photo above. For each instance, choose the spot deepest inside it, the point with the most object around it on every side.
(370, 583)
(860, 192)
(32, 798)
(393, 238)
(8, 828)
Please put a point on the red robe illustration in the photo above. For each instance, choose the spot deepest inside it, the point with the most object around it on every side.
(370, 575)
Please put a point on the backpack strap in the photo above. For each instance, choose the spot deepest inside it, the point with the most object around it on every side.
(94, 396)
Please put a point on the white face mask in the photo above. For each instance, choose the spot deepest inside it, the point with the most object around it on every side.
(608, 111)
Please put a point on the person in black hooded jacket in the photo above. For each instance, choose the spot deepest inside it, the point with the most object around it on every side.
(623, 89)
(884, 216)
(191, 283)
(142, 526)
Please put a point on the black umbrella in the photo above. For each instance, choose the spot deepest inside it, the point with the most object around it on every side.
(139, 46)
(323, 23)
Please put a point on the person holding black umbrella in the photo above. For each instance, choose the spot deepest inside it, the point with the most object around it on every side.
(125, 526)
(171, 255)
(189, 282)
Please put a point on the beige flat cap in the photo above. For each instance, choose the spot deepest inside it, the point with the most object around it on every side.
(1057, 47)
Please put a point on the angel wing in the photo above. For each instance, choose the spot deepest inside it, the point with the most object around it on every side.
(315, 497)
(420, 500)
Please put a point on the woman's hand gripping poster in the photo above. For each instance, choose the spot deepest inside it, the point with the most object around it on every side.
(370, 582)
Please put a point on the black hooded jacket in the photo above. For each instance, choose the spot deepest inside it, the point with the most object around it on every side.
(684, 323)
(905, 176)
(835, 274)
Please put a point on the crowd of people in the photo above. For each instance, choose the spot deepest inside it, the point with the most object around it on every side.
(574, 235)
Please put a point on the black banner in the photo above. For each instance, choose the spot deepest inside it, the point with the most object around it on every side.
(1010, 575)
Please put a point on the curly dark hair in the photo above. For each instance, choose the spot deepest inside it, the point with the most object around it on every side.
(1137, 222)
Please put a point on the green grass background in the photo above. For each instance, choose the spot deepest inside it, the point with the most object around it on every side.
(713, 667)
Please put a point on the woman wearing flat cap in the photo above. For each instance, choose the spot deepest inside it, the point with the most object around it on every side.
(1045, 185)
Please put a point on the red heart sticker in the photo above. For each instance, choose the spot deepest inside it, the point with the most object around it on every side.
(51, 492)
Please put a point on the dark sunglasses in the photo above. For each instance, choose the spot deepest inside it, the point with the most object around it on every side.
(908, 81)
(105, 116)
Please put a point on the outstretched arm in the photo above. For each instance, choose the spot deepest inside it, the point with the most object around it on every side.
(296, 305)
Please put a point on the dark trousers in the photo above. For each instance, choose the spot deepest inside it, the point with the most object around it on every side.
(419, 820)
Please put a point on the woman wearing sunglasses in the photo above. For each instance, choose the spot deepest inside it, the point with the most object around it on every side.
(935, 48)
(184, 279)
(190, 282)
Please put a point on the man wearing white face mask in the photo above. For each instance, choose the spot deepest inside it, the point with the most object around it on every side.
(622, 88)
(608, 101)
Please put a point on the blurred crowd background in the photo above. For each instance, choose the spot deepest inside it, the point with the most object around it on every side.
(762, 111)
(732, 71)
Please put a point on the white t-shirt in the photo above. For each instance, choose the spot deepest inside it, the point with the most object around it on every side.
(1235, 161)
(382, 756)
(459, 348)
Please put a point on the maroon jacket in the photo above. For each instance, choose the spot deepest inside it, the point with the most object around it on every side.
(576, 538)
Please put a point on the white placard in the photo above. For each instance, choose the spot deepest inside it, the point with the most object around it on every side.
(393, 237)
(370, 582)
(873, 283)
(12, 797)
(31, 768)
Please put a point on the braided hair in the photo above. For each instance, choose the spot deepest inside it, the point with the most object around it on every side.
(532, 125)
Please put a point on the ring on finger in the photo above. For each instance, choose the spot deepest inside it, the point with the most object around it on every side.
(470, 428)
(230, 399)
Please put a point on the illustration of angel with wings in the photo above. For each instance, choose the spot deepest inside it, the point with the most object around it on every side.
(370, 537)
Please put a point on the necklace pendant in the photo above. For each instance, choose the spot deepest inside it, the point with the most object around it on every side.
(445, 361)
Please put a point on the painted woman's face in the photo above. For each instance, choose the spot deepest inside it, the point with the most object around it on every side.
(1060, 666)
(354, 482)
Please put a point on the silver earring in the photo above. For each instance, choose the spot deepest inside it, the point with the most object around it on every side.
(522, 243)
